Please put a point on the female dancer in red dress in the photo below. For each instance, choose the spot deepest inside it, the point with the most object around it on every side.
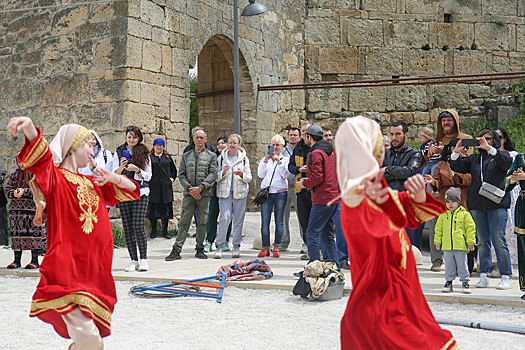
(386, 308)
(76, 293)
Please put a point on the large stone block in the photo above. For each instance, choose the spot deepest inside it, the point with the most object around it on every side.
(95, 116)
(54, 117)
(411, 98)
(471, 62)
(337, 60)
(151, 56)
(479, 90)
(180, 110)
(110, 53)
(453, 35)
(15, 94)
(106, 11)
(367, 99)
(417, 62)
(140, 115)
(407, 117)
(139, 29)
(322, 31)
(134, 51)
(154, 94)
(421, 118)
(451, 96)
(520, 34)
(66, 89)
(421, 6)
(406, 34)
(152, 14)
(106, 90)
(38, 23)
(379, 5)
(333, 4)
(362, 32)
(384, 61)
(492, 36)
(324, 100)
(66, 20)
(96, 30)
(463, 7)
(501, 7)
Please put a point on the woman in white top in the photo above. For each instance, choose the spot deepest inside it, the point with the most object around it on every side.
(232, 189)
(132, 160)
(273, 169)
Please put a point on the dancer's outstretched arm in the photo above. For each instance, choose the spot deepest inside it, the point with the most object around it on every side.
(101, 176)
(17, 124)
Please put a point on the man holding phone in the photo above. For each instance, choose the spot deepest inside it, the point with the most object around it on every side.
(297, 166)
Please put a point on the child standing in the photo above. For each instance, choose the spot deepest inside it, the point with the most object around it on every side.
(455, 235)
(426, 137)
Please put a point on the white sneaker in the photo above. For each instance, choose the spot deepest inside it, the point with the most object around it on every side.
(218, 253)
(506, 283)
(143, 265)
(483, 281)
(134, 265)
(304, 249)
(236, 253)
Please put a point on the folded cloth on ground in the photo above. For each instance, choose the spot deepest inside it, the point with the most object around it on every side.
(319, 275)
(244, 270)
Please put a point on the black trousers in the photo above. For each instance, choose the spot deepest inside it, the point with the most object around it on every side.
(304, 206)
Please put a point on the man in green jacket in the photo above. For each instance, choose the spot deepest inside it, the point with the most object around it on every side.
(197, 174)
(455, 236)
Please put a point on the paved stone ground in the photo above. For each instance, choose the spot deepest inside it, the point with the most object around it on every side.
(269, 318)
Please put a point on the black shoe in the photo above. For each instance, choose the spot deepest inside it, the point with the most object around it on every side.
(297, 274)
(167, 235)
(174, 255)
(153, 235)
(344, 265)
(200, 254)
(523, 297)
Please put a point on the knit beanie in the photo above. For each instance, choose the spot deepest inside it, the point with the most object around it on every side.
(453, 194)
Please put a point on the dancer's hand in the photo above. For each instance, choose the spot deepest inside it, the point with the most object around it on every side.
(415, 186)
(17, 124)
(375, 190)
(101, 176)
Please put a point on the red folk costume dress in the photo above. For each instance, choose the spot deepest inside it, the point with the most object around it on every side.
(386, 308)
(76, 271)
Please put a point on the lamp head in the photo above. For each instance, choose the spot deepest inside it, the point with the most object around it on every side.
(253, 9)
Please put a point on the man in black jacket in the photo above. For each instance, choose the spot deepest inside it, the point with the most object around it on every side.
(402, 162)
(297, 166)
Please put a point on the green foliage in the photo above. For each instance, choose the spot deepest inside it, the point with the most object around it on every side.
(414, 143)
(516, 130)
(119, 241)
(500, 22)
(194, 105)
(518, 89)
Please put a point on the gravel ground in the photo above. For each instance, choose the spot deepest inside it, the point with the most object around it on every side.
(261, 319)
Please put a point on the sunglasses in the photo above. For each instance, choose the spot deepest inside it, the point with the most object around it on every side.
(489, 138)
(132, 128)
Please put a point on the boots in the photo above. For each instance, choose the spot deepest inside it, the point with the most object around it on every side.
(165, 228)
(174, 255)
(153, 229)
(200, 254)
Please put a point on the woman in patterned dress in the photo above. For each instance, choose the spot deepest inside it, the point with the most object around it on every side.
(24, 234)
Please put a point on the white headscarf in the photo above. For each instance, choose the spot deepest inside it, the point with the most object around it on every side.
(68, 138)
(357, 142)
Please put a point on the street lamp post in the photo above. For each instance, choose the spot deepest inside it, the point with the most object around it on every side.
(251, 10)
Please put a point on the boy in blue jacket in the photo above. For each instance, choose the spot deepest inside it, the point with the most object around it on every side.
(455, 236)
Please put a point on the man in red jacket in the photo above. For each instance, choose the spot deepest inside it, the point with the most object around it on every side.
(322, 180)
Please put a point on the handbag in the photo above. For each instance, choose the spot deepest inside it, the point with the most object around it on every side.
(490, 191)
(263, 194)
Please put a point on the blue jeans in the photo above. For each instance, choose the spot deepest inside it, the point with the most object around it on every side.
(429, 168)
(277, 201)
(416, 236)
(339, 236)
(490, 228)
(321, 227)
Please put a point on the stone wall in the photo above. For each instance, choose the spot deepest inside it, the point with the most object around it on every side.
(348, 40)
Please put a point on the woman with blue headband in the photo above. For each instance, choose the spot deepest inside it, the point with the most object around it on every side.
(164, 173)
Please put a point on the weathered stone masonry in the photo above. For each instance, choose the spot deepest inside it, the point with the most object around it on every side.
(126, 63)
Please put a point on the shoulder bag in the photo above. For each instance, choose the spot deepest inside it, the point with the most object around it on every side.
(263, 194)
(490, 191)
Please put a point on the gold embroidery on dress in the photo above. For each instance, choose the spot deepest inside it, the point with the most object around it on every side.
(87, 197)
(405, 247)
(120, 195)
(39, 150)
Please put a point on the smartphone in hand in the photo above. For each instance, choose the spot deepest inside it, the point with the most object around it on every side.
(126, 154)
(470, 143)
(270, 150)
